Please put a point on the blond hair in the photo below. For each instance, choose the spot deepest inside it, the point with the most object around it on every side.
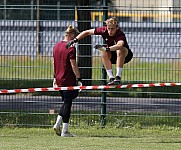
(112, 20)
(72, 30)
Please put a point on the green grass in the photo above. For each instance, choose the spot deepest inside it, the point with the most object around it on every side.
(91, 139)
(93, 119)
(24, 67)
(26, 72)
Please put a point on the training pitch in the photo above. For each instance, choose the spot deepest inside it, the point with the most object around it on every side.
(91, 138)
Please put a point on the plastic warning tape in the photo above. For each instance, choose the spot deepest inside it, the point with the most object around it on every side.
(95, 87)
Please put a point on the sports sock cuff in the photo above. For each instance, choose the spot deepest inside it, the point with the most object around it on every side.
(110, 73)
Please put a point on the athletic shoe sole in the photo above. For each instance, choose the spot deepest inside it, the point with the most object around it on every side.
(57, 131)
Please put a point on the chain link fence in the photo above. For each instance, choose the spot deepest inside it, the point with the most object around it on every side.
(27, 41)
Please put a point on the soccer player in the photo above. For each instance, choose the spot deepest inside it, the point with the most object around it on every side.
(116, 50)
(66, 73)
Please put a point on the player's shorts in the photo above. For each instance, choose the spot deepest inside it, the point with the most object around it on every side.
(127, 59)
(69, 95)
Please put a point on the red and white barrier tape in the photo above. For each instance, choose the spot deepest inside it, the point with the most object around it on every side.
(95, 87)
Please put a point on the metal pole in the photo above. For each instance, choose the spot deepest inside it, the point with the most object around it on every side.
(58, 10)
(38, 28)
(32, 9)
(5, 16)
(104, 76)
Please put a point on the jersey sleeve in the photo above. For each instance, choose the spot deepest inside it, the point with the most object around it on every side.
(121, 38)
(72, 53)
(100, 30)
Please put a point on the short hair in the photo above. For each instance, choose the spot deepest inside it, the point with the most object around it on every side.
(112, 20)
(72, 30)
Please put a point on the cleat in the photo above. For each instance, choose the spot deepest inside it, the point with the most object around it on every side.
(67, 134)
(57, 130)
(111, 81)
(117, 80)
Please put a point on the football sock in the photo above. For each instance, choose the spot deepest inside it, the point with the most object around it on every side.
(58, 121)
(119, 71)
(65, 127)
(109, 73)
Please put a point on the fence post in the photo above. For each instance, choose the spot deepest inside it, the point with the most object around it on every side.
(38, 28)
(104, 76)
(5, 10)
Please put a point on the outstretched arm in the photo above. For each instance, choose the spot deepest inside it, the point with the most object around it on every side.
(115, 47)
(79, 37)
(85, 33)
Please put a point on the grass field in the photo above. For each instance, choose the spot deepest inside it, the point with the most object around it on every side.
(156, 138)
(41, 68)
(90, 138)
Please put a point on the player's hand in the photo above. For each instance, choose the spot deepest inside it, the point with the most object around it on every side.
(54, 83)
(101, 48)
(79, 82)
(71, 42)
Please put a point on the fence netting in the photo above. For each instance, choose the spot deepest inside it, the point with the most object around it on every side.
(27, 40)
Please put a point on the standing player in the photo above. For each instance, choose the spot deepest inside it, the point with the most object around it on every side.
(116, 50)
(66, 73)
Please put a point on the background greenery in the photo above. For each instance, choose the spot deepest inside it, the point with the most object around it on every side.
(26, 72)
(78, 119)
(25, 67)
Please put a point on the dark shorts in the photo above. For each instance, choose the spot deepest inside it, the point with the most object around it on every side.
(127, 59)
(69, 94)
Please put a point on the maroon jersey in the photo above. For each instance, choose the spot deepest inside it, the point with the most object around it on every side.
(62, 67)
(111, 40)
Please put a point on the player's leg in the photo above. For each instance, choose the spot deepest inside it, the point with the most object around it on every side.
(56, 126)
(66, 116)
(129, 56)
(66, 111)
(108, 66)
(121, 55)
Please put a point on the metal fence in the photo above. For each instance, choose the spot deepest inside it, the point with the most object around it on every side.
(26, 62)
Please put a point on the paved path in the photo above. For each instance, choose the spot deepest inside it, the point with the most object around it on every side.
(114, 104)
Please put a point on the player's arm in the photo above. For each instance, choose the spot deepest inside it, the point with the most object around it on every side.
(79, 37)
(85, 33)
(76, 72)
(75, 68)
(117, 46)
(54, 78)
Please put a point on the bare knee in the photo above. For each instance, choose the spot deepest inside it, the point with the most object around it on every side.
(106, 55)
(123, 52)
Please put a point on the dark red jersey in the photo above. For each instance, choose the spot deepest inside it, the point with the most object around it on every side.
(111, 40)
(62, 67)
